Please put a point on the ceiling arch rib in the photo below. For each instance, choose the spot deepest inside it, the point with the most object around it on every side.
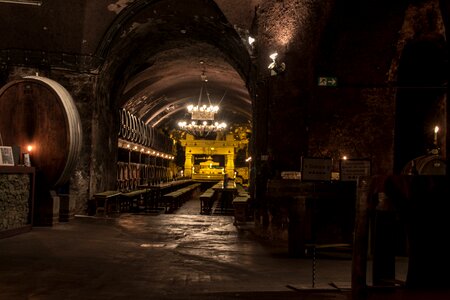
(179, 110)
(160, 93)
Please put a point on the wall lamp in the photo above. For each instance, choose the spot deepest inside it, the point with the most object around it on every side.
(275, 67)
(25, 2)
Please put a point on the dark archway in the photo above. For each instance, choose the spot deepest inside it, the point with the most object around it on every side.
(152, 67)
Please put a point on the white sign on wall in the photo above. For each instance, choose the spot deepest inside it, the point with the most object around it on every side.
(316, 168)
(291, 175)
(6, 156)
(351, 169)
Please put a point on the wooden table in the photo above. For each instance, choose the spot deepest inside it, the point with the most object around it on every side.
(158, 190)
(225, 194)
(108, 199)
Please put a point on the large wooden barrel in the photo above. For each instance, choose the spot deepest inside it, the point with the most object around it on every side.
(38, 111)
(426, 165)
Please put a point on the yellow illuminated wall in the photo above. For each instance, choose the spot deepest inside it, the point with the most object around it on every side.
(209, 147)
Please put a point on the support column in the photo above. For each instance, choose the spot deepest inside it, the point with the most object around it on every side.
(229, 166)
(188, 164)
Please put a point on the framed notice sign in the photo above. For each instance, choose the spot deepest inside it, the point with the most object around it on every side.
(6, 156)
(351, 169)
(26, 160)
(318, 169)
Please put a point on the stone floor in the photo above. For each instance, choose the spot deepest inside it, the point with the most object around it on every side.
(167, 256)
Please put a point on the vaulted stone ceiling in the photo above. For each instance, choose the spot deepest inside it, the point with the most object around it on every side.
(147, 52)
(171, 79)
(159, 51)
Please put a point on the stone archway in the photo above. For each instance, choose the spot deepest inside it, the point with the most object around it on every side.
(152, 66)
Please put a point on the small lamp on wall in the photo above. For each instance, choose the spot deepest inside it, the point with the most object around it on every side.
(27, 156)
(436, 130)
(275, 67)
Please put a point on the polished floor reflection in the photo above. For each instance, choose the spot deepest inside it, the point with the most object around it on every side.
(168, 256)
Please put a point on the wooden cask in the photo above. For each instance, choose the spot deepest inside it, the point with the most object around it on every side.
(38, 111)
(426, 165)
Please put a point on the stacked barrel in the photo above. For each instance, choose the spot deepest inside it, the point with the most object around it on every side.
(153, 147)
(134, 130)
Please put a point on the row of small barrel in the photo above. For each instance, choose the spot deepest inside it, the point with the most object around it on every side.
(131, 175)
(135, 130)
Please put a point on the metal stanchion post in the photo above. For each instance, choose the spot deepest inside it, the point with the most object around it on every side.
(314, 267)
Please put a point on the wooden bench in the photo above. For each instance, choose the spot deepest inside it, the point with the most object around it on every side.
(132, 200)
(105, 200)
(241, 191)
(206, 201)
(240, 205)
(173, 200)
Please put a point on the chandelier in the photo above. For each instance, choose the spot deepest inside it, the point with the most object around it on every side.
(202, 115)
(202, 128)
(203, 112)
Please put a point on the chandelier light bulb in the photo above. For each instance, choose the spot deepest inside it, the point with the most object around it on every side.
(251, 40)
(273, 56)
(202, 115)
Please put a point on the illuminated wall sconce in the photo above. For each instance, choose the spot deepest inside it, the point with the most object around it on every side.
(435, 149)
(275, 67)
(251, 46)
(436, 130)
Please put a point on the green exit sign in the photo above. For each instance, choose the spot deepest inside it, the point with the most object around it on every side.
(327, 81)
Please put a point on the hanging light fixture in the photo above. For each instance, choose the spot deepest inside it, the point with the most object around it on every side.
(202, 114)
(275, 67)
